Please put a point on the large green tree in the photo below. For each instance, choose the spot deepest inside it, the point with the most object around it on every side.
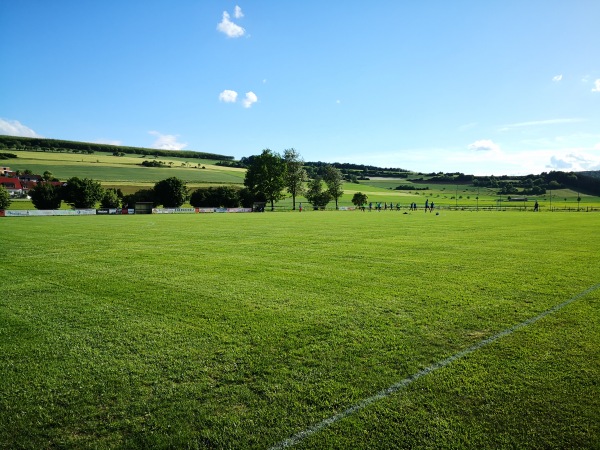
(359, 199)
(171, 192)
(266, 177)
(4, 198)
(315, 193)
(46, 196)
(82, 193)
(334, 180)
(295, 174)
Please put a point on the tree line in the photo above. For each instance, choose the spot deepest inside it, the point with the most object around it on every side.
(270, 174)
(269, 178)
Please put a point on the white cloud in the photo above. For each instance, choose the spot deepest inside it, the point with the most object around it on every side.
(237, 12)
(557, 78)
(484, 145)
(557, 163)
(228, 96)
(575, 161)
(596, 87)
(167, 141)
(16, 128)
(231, 29)
(249, 99)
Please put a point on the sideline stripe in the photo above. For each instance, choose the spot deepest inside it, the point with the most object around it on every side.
(295, 439)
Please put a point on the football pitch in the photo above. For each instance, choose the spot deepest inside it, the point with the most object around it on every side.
(301, 330)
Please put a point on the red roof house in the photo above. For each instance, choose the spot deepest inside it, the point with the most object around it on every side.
(12, 185)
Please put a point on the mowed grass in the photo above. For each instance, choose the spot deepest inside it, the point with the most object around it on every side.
(239, 331)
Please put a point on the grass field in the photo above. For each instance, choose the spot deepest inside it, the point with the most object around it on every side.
(241, 331)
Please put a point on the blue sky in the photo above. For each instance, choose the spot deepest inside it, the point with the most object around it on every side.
(482, 87)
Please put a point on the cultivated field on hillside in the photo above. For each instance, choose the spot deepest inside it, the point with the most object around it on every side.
(126, 169)
(255, 330)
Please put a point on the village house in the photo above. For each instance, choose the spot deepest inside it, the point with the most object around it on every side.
(12, 185)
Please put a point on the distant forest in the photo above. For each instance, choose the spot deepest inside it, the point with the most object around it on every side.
(55, 145)
(352, 172)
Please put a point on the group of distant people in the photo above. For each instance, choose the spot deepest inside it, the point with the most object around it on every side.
(413, 206)
(378, 206)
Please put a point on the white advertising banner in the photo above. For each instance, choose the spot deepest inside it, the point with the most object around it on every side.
(173, 210)
(48, 212)
(239, 210)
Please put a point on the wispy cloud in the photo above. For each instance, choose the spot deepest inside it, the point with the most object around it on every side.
(230, 28)
(467, 126)
(557, 78)
(537, 123)
(16, 128)
(250, 99)
(484, 145)
(228, 96)
(596, 87)
(167, 141)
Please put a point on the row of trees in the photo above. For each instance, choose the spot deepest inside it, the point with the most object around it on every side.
(87, 193)
(79, 193)
(269, 178)
(270, 174)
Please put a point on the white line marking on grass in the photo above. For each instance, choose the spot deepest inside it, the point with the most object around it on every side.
(298, 437)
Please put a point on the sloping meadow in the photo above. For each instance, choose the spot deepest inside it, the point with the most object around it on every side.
(247, 330)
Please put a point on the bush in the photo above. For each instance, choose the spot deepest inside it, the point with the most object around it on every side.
(220, 196)
(143, 195)
(110, 199)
